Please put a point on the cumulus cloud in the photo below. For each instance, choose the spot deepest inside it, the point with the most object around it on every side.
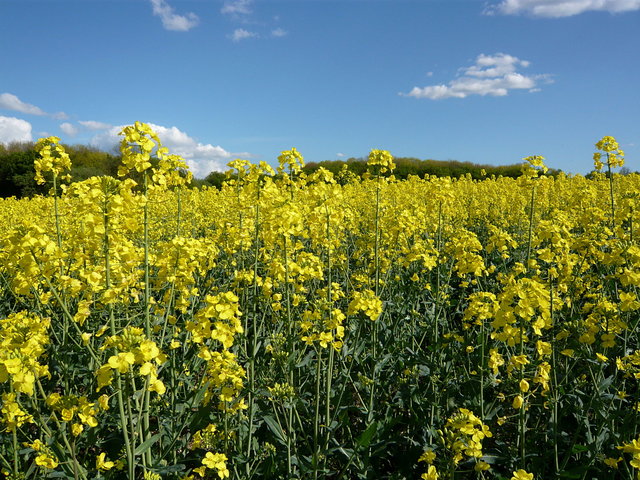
(14, 130)
(495, 66)
(561, 8)
(242, 34)
(69, 129)
(93, 125)
(492, 75)
(171, 20)
(278, 32)
(237, 7)
(9, 101)
(201, 158)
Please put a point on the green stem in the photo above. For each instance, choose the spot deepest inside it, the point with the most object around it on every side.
(533, 199)
(290, 340)
(56, 210)
(331, 349)
(60, 301)
(179, 194)
(75, 460)
(147, 320)
(554, 387)
(14, 438)
(112, 324)
(316, 419)
(374, 346)
(377, 238)
(482, 360)
(521, 413)
(62, 430)
(613, 210)
(252, 356)
(5, 461)
(328, 419)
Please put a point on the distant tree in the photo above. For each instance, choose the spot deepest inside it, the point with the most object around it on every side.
(16, 146)
(17, 171)
(89, 161)
(215, 179)
(17, 174)
(199, 183)
(406, 166)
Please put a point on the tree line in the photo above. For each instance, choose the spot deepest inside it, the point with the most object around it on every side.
(17, 170)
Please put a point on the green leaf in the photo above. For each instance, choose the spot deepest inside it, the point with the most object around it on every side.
(573, 473)
(170, 469)
(146, 445)
(579, 449)
(606, 383)
(306, 360)
(365, 439)
(58, 475)
(275, 428)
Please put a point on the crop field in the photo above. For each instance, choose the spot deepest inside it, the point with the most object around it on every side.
(292, 326)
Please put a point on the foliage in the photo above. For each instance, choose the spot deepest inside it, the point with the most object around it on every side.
(17, 172)
(422, 168)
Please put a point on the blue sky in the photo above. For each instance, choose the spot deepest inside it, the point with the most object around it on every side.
(481, 81)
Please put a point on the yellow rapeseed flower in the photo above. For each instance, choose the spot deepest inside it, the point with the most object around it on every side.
(103, 464)
(218, 462)
(381, 159)
(47, 461)
(522, 475)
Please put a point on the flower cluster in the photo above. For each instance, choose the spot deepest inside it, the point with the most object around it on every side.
(53, 158)
(533, 166)
(71, 406)
(463, 434)
(133, 348)
(381, 159)
(633, 447)
(367, 302)
(138, 146)
(291, 160)
(13, 416)
(323, 326)
(23, 339)
(614, 156)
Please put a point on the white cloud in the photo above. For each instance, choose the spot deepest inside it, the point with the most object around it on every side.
(340, 155)
(241, 12)
(242, 34)
(171, 20)
(93, 125)
(495, 66)
(14, 130)
(278, 32)
(201, 158)
(9, 101)
(237, 7)
(69, 129)
(562, 8)
(492, 75)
